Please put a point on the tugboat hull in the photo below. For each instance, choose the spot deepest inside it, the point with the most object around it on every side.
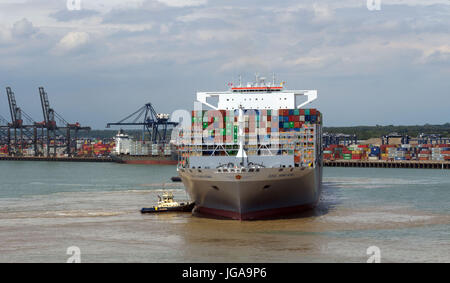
(182, 208)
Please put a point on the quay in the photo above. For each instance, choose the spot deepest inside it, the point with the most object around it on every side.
(60, 159)
(428, 164)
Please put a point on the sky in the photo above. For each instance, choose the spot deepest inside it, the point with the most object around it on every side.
(385, 62)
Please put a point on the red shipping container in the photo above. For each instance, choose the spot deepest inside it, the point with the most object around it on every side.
(297, 125)
(302, 111)
(312, 111)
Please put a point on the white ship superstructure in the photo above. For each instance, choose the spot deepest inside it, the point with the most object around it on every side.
(123, 142)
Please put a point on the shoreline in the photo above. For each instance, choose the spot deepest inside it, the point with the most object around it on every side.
(412, 164)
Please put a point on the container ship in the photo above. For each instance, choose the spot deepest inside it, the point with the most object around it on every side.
(130, 151)
(257, 154)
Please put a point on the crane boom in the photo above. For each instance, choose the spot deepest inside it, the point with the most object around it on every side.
(147, 117)
(16, 113)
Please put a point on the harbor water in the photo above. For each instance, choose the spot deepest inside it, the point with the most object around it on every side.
(47, 207)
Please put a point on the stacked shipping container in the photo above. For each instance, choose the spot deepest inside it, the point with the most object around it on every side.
(388, 152)
(267, 132)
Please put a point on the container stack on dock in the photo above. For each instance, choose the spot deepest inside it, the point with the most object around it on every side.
(4, 150)
(140, 148)
(95, 149)
(404, 152)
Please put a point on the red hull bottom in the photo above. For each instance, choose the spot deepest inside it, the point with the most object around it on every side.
(151, 162)
(254, 215)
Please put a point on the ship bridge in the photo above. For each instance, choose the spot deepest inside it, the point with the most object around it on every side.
(258, 95)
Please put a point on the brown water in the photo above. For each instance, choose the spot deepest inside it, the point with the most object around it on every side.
(356, 212)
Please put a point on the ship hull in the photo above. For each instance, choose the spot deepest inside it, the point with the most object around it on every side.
(151, 162)
(267, 193)
(146, 160)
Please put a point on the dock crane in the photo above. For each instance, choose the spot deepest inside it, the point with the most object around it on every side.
(155, 124)
(329, 139)
(17, 123)
(429, 138)
(51, 117)
(405, 139)
(3, 126)
(3, 121)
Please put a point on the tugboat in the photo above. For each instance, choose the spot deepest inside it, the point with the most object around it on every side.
(167, 203)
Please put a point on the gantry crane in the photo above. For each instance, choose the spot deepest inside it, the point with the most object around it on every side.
(155, 124)
(405, 139)
(329, 139)
(3, 128)
(429, 138)
(17, 123)
(51, 117)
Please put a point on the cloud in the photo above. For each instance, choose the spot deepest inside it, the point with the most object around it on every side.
(174, 47)
(438, 54)
(71, 42)
(23, 28)
(105, 6)
(5, 35)
(183, 3)
(67, 15)
(310, 61)
(322, 13)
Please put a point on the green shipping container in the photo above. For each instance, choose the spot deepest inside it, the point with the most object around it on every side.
(291, 125)
(306, 111)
